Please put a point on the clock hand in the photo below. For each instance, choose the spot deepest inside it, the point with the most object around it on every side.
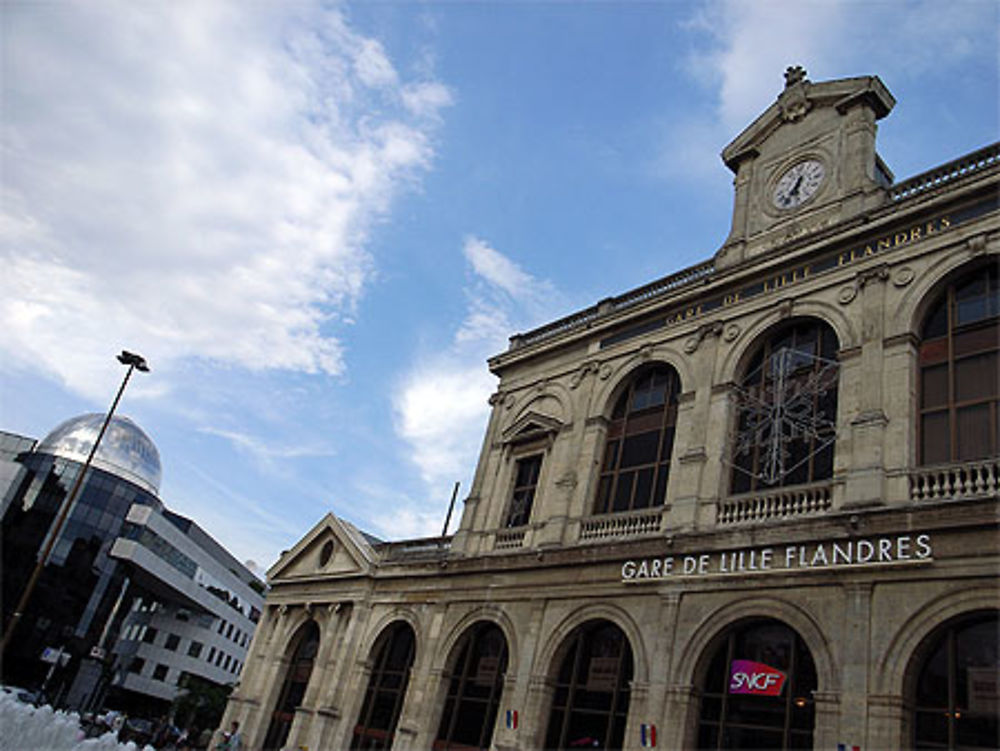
(795, 188)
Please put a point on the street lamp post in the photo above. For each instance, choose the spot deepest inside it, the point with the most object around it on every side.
(134, 362)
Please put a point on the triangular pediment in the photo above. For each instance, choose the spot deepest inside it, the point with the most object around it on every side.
(531, 426)
(332, 548)
(805, 99)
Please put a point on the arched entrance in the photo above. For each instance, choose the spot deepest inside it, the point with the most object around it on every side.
(392, 659)
(757, 689)
(591, 697)
(293, 688)
(956, 673)
(475, 684)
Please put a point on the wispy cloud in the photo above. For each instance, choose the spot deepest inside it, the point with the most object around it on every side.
(441, 409)
(740, 50)
(196, 180)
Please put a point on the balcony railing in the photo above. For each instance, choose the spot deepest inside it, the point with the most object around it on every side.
(775, 504)
(946, 173)
(955, 481)
(509, 539)
(627, 524)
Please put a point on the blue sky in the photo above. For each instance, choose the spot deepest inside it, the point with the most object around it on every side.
(317, 220)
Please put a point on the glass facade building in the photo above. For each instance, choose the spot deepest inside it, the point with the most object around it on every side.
(129, 587)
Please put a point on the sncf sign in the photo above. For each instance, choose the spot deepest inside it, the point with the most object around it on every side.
(749, 677)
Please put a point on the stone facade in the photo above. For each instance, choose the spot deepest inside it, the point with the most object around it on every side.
(865, 562)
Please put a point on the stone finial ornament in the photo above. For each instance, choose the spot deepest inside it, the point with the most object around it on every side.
(794, 74)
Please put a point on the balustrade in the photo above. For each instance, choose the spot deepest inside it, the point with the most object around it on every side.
(776, 503)
(627, 524)
(955, 481)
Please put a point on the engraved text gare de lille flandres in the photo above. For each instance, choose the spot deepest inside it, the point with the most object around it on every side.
(824, 555)
(905, 236)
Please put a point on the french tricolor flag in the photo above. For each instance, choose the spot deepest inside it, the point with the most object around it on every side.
(845, 747)
(647, 735)
(512, 719)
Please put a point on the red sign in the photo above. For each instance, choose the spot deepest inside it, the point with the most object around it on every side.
(749, 677)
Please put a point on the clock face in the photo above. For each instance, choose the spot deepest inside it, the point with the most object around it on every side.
(799, 184)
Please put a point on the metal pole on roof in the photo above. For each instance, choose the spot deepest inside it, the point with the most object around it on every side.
(451, 507)
(134, 362)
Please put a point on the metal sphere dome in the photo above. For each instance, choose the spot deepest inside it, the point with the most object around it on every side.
(125, 450)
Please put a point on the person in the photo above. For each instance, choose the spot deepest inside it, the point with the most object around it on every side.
(231, 741)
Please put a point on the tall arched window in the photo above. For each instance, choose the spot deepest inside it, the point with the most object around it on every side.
(758, 690)
(954, 697)
(787, 401)
(959, 375)
(293, 688)
(475, 683)
(393, 658)
(640, 438)
(591, 697)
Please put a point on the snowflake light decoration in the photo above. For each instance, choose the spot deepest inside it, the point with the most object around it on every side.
(781, 410)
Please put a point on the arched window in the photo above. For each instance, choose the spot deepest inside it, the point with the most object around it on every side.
(475, 682)
(591, 697)
(787, 401)
(758, 690)
(640, 438)
(393, 658)
(954, 699)
(959, 376)
(293, 689)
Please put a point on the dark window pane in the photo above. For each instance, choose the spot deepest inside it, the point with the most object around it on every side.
(640, 449)
(623, 491)
(935, 386)
(935, 441)
(974, 432)
(976, 377)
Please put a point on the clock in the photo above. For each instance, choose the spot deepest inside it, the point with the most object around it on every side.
(799, 183)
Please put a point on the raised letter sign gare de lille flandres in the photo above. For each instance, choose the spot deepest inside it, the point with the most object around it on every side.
(798, 557)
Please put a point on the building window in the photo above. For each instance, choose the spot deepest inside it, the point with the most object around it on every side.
(959, 374)
(475, 683)
(136, 665)
(211, 654)
(758, 690)
(390, 676)
(591, 696)
(172, 642)
(149, 635)
(954, 701)
(160, 672)
(787, 410)
(636, 458)
(194, 649)
(525, 481)
(304, 646)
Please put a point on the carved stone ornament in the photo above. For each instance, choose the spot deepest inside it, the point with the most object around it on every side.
(578, 376)
(731, 332)
(877, 274)
(847, 294)
(707, 329)
(785, 308)
(903, 276)
(605, 373)
(508, 401)
(794, 100)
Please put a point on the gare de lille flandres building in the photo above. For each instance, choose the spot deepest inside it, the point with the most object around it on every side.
(753, 504)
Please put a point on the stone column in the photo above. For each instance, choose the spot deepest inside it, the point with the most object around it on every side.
(855, 653)
(866, 477)
(681, 710)
(826, 730)
(887, 722)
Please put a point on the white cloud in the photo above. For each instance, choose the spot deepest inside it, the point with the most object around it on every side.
(194, 180)
(743, 48)
(442, 409)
